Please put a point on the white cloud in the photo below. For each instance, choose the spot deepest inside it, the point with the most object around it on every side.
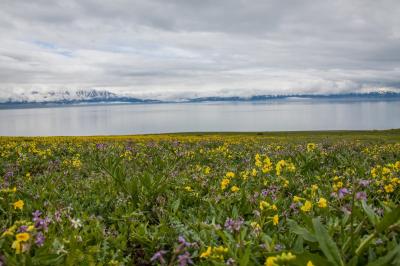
(176, 48)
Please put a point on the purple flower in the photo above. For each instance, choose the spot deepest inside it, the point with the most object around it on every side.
(183, 242)
(343, 192)
(22, 229)
(9, 174)
(159, 256)
(278, 247)
(184, 259)
(42, 223)
(264, 192)
(39, 240)
(36, 215)
(100, 146)
(364, 182)
(6, 177)
(57, 216)
(361, 195)
(233, 225)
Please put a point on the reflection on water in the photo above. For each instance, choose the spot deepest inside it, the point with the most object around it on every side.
(196, 117)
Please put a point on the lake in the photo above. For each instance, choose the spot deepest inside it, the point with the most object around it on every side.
(284, 115)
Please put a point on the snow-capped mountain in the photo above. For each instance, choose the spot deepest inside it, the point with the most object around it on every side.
(64, 96)
(104, 96)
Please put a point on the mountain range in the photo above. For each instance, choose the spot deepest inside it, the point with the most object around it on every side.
(104, 96)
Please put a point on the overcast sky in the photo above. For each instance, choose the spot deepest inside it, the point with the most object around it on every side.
(192, 48)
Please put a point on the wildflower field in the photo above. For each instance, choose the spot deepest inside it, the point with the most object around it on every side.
(321, 198)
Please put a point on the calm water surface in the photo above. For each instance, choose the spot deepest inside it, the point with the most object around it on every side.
(196, 117)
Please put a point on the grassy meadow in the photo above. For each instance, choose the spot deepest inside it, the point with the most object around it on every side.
(300, 198)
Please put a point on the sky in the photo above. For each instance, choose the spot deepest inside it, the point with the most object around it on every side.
(192, 48)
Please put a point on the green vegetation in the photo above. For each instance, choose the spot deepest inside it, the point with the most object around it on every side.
(297, 198)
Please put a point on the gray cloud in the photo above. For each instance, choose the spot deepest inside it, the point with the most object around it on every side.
(188, 47)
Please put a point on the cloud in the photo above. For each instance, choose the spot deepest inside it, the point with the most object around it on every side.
(188, 47)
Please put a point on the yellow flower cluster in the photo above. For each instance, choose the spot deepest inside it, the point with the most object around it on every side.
(281, 259)
(214, 252)
(284, 165)
(9, 190)
(74, 162)
(338, 183)
(227, 180)
(386, 177)
(264, 164)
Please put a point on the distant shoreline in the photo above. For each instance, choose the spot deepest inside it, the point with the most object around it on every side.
(279, 134)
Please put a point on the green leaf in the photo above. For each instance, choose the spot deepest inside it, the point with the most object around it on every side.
(388, 219)
(326, 243)
(245, 259)
(301, 231)
(385, 260)
(175, 205)
(373, 218)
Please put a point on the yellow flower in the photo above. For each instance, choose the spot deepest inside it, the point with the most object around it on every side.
(206, 253)
(220, 249)
(224, 183)
(307, 206)
(389, 188)
(235, 189)
(296, 199)
(255, 225)
(258, 163)
(286, 257)
(273, 207)
(230, 175)
(310, 147)
(270, 261)
(18, 204)
(254, 172)
(314, 188)
(17, 246)
(275, 219)
(267, 167)
(8, 232)
(207, 170)
(309, 263)
(397, 165)
(285, 183)
(322, 203)
(188, 188)
(264, 205)
(279, 166)
(22, 237)
(385, 171)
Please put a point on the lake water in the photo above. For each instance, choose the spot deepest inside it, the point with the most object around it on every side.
(281, 115)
